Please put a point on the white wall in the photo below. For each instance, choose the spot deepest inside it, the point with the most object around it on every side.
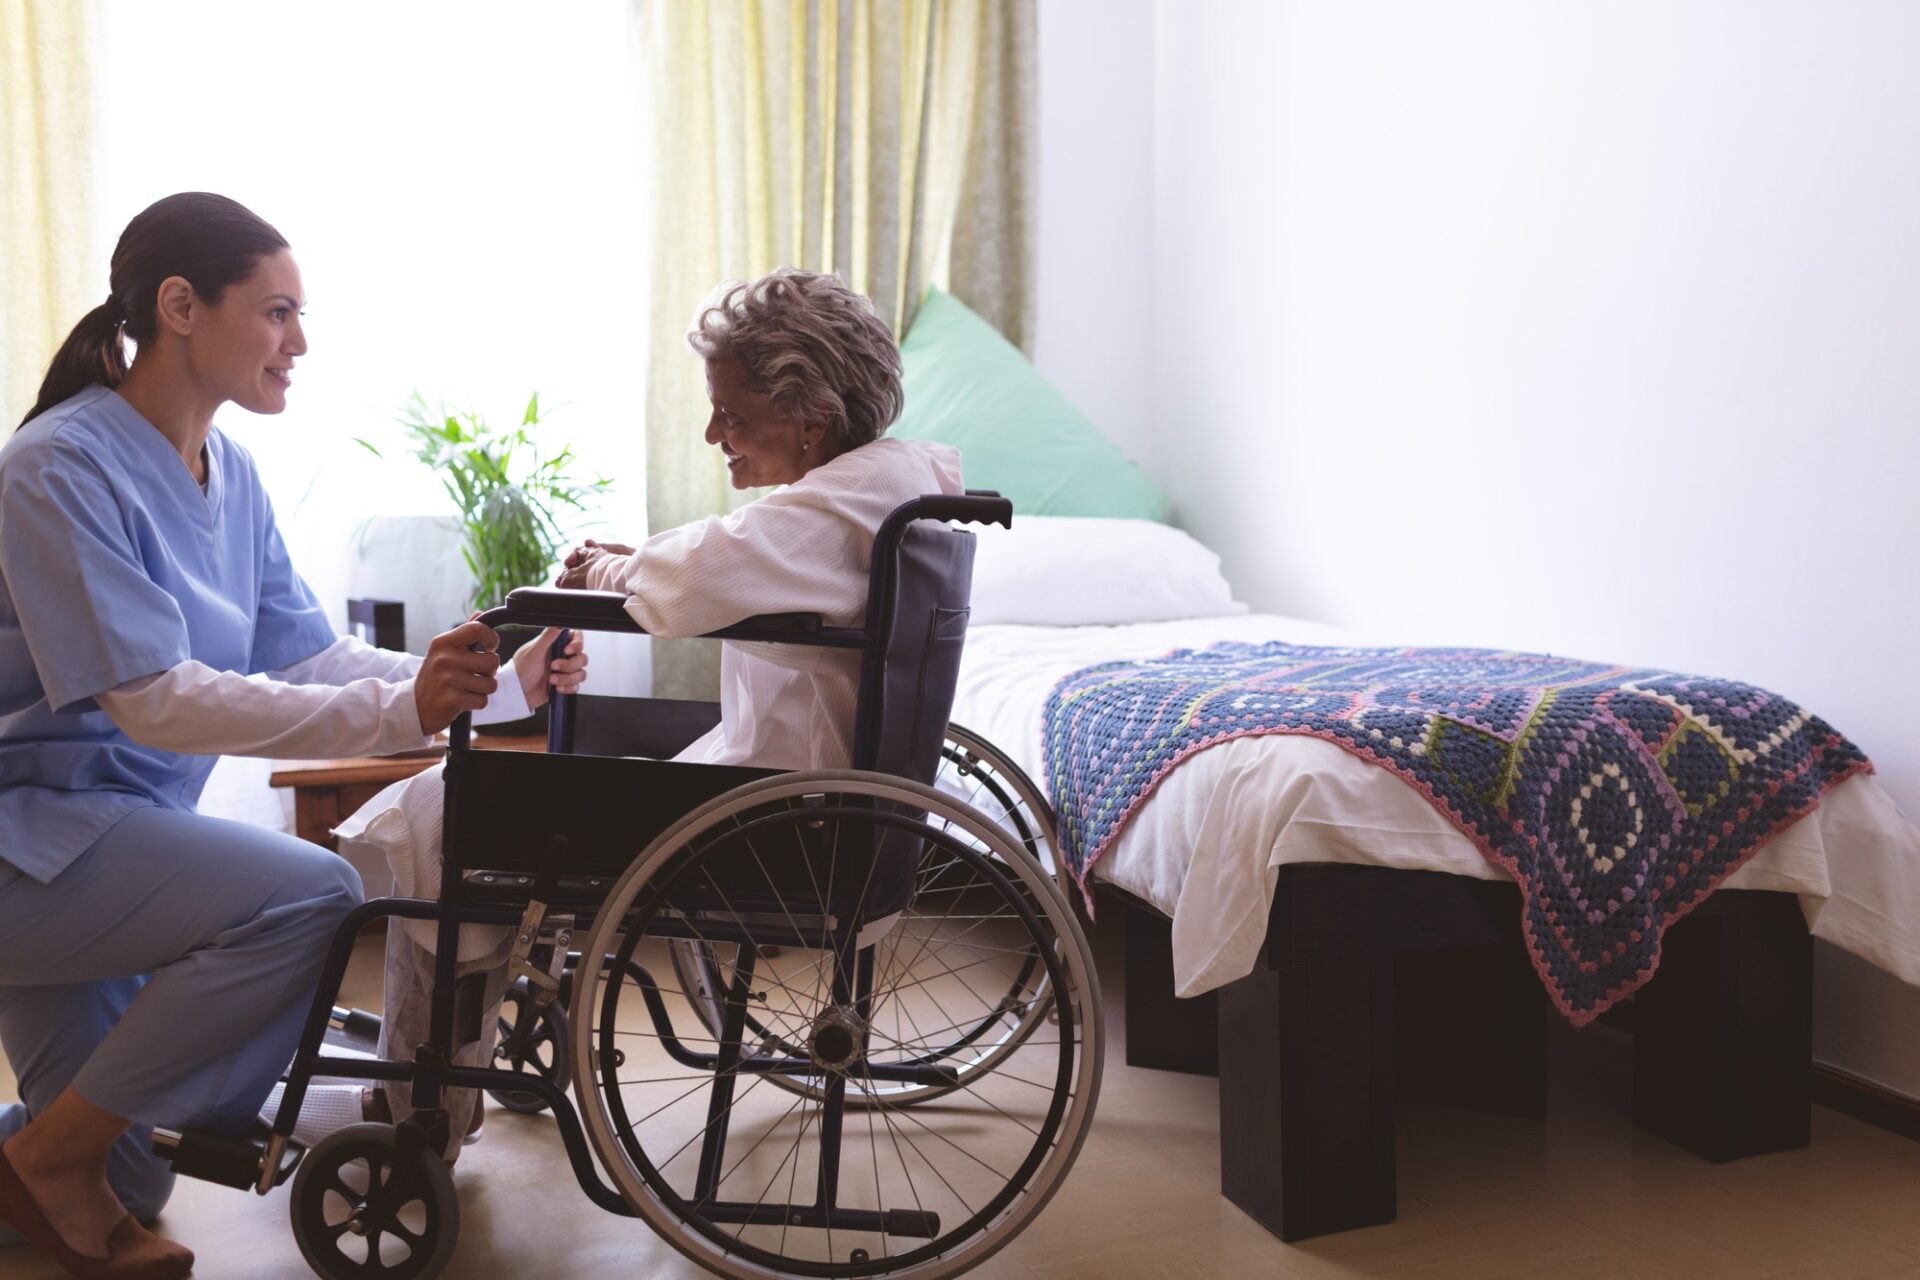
(1589, 328)
(1095, 235)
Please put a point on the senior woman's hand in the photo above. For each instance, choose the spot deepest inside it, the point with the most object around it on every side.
(564, 674)
(576, 571)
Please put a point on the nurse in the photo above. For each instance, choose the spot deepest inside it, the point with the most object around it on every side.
(155, 964)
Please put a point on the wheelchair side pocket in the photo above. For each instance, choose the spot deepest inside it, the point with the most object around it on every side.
(942, 625)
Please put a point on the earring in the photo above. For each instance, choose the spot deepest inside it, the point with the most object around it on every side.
(805, 445)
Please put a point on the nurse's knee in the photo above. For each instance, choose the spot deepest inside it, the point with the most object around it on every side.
(328, 885)
(338, 888)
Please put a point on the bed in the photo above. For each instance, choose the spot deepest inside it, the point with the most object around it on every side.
(1301, 887)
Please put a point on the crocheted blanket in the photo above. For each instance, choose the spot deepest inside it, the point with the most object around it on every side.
(1616, 797)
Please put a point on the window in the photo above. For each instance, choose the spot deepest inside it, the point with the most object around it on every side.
(463, 186)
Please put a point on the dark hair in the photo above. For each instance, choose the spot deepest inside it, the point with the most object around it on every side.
(209, 240)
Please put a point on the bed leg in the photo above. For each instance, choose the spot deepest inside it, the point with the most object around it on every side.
(1306, 1113)
(1723, 1034)
(1164, 1032)
(1471, 1029)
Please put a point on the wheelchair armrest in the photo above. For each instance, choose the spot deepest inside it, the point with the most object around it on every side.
(553, 607)
(606, 611)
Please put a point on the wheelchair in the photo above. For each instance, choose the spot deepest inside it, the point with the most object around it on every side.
(534, 1039)
(822, 1023)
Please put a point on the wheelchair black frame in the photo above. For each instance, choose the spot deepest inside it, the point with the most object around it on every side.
(431, 1069)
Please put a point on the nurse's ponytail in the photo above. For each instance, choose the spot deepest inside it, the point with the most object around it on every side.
(209, 240)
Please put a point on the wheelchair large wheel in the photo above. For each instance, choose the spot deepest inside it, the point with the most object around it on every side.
(362, 1212)
(813, 886)
(974, 771)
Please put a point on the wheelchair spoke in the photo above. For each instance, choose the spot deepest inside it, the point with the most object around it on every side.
(760, 1141)
(819, 896)
(725, 901)
(799, 999)
(793, 1178)
(792, 1154)
(879, 1197)
(948, 971)
(923, 1041)
(725, 1112)
(706, 1081)
(655, 1035)
(893, 1135)
(886, 1112)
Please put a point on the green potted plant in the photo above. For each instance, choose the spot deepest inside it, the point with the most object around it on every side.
(509, 492)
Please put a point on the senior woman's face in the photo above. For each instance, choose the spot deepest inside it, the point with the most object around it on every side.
(763, 445)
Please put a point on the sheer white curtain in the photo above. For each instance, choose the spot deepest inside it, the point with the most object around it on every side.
(463, 187)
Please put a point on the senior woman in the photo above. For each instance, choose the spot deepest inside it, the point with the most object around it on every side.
(156, 963)
(803, 378)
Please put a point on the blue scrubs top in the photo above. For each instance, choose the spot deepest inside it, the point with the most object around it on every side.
(114, 564)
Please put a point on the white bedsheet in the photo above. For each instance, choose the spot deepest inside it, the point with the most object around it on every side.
(1207, 844)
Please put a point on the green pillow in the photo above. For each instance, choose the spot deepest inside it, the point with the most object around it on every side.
(969, 387)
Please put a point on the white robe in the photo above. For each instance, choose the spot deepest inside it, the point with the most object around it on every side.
(801, 549)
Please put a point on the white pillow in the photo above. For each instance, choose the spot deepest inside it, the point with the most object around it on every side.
(1070, 571)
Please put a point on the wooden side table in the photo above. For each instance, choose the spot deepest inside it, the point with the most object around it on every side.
(326, 792)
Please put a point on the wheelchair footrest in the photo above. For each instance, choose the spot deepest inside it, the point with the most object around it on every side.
(230, 1159)
(355, 1024)
(910, 1224)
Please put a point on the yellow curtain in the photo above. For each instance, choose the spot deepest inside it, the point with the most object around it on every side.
(46, 153)
(891, 142)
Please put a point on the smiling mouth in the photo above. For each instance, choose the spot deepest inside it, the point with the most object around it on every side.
(283, 376)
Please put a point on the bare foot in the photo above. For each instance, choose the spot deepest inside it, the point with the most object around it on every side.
(76, 1201)
(132, 1243)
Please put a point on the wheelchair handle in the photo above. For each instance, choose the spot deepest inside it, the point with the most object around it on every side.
(976, 506)
(559, 705)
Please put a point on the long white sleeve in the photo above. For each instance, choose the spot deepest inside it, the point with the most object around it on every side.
(801, 549)
(350, 658)
(196, 710)
(350, 699)
(346, 659)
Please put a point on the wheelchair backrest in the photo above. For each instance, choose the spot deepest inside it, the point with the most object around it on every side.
(918, 615)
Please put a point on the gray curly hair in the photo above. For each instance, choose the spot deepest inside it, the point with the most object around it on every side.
(816, 348)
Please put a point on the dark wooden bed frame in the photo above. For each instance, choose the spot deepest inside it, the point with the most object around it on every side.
(1366, 970)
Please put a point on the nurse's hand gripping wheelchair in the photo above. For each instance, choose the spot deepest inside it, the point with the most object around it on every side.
(779, 967)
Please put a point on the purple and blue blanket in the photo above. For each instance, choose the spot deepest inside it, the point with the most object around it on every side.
(1616, 797)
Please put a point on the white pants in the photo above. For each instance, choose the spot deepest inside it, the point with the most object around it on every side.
(403, 823)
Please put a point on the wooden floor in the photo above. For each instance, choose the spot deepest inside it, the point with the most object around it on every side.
(1579, 1195)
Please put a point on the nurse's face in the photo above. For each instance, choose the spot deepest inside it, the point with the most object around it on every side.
(762, 444)
(243, 349)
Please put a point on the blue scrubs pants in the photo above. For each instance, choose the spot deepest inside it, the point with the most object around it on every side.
(166, 975)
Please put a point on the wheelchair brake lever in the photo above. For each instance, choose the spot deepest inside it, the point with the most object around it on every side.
(543, 982)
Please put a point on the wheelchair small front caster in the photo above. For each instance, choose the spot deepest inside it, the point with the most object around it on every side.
(362, 1211)
(545, 1054)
